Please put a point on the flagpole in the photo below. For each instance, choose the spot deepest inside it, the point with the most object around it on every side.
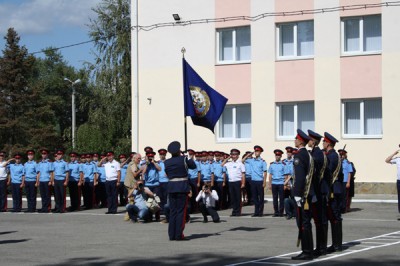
(183, 50)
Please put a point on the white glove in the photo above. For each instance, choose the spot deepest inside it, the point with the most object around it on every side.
(298, 201)
(314, 199)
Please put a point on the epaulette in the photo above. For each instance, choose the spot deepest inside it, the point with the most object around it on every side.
(271, 163)
(283, 163)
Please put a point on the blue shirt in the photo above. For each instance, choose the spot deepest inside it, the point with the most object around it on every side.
(162, 176)
(102, 174)
(206, 170)
(89, 170)
(151, 176)
(247, 166)
(218, 171)
(60, 169)
(30, 171)
(16, 172)
(258, 168)
(193, 173)
(74, 171)
(289, 167)
(347, 168)
(45, 167)
(277, 170)
(123, 172)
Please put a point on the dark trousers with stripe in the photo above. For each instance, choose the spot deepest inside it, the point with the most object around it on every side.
(277, 192)
(3, 195)
(235, 196)
(177, 218)
(257, 190)
(31, 192)
(16, 191)
(74, 194)
(163, 194)
(112, 196)
(45, 194)
(59, 195)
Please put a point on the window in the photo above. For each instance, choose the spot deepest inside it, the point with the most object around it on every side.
(235, 123)
(361, 34)
(234, 45)
(291, 116)
(295, 39)
(362, 118)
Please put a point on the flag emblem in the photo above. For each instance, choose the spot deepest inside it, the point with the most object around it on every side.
(201, 101)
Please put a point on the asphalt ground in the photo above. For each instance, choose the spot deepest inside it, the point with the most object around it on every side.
(371, 233)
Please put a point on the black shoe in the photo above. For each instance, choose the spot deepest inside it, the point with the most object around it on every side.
(303, 256)
(182, 239)
(217, 221)
(331, 249)
(205, 220)
(111, 212)
(275, 215)
(255, 215)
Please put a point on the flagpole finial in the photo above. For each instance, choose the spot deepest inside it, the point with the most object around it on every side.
(183, 50)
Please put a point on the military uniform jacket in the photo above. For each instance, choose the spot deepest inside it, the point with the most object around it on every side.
(176, 168)
(301, 165)
(321, 186)
(333, 161)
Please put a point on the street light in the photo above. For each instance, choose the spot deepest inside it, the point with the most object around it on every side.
(73, 108)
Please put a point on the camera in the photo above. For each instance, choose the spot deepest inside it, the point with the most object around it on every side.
(206, 187)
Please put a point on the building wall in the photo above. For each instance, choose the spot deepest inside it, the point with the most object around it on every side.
(326, 78)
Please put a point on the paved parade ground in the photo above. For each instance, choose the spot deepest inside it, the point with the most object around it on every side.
(371, 233)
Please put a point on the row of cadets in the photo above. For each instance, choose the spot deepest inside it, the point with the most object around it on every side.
(276, 180)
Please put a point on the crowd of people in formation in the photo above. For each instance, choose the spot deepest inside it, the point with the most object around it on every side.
(315, 184)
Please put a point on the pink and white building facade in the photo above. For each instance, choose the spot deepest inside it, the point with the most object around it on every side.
(332, 71)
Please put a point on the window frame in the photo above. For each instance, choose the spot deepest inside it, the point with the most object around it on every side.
(295, 44)
(234, 123)
(361, 37)
(362, 120)
(295, 118)
(218, 48)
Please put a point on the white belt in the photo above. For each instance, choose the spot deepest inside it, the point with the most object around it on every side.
(178, 179)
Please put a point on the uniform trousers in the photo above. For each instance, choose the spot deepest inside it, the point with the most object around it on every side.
(277, 192)
(235, 196)
(345, 197)
(74, 194)
(59, 195)
(290, 207)
(177, 217)
(398, 195)
(112, 196)
(222, 195)
(90, 196)
(122, 193)
(334, 208)
(31, 192)
(45, 194)
(195, 191)
(101, 195)
(248, 189)
(257, 190)
(163, 194)
(3, 195)
(303, 219)
(16, 191)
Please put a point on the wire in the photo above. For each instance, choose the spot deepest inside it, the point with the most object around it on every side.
(246, 18)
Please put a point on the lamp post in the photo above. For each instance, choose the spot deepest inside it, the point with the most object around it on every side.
(73, 108)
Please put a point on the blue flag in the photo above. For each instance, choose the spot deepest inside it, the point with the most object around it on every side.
(202, 103)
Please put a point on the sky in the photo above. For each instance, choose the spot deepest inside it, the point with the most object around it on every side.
(56, 23)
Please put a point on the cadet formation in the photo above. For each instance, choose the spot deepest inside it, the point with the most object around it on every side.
(313, 182)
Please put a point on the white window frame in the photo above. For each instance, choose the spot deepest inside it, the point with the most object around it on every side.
(361, 41)
(278, 42)
(234, 139)
(295, 118)
(362, 128)
(218, 38)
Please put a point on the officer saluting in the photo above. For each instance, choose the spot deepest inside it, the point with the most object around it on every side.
(178, 189)
(302, 190)
(336, 179)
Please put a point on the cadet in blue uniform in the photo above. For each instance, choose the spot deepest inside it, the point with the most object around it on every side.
(74, 182)
(163, 179)
(206, 169)
(258, 181)
(17, 173)
(178, 189)
(303, 193)
(45, 170)
(31, 175)
(347, 173)
(194, 179)
(288, 171)
(246, 192)
(60, 182)
(321, 188)
(276, 183)
(219, 181)
(89, 171)
(4, 182)
(100, 189)
(122, 191)
(336, 176)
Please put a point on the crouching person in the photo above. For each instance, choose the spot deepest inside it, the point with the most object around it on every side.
(206, 199)
(138, 210)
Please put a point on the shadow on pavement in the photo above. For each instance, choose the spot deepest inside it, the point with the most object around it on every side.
(13, 241)
(7, 232)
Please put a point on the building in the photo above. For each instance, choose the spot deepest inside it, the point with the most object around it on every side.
(334, 70)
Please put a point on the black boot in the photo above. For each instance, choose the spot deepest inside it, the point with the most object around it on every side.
(306, 246)
(317, 250)
(324, 239)
(334, 238)
(339, 236)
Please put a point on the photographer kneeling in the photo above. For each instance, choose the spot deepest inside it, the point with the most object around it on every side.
(139, 209)
(206, 199)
